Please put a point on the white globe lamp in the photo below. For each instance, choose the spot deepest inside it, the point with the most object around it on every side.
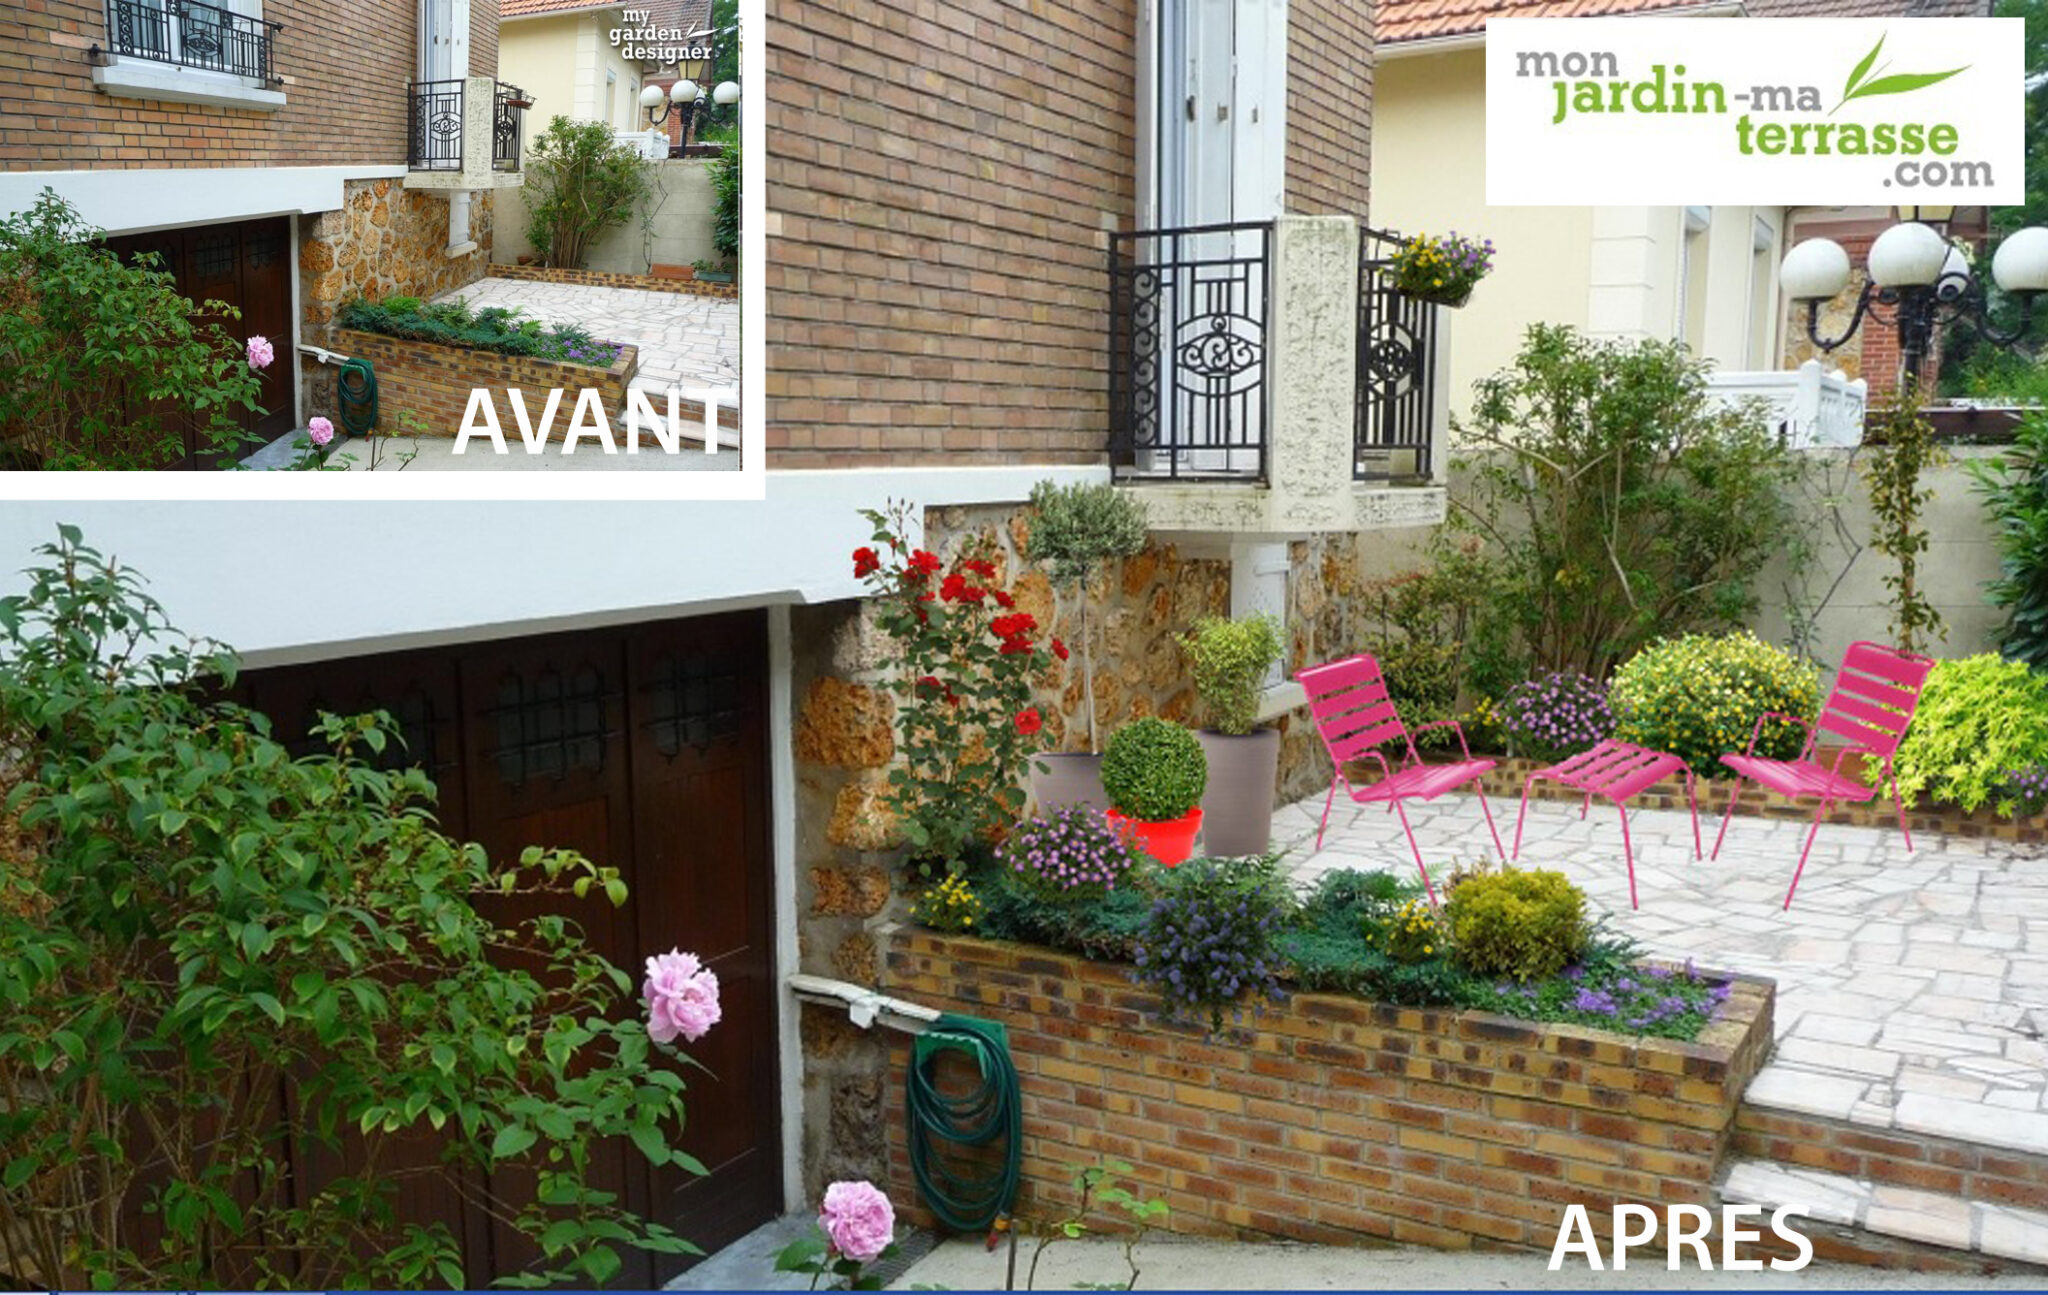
(1814, 270)
(1908, 255)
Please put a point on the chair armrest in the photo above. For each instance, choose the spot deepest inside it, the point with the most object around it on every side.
(1453, 725)
(1758, 731)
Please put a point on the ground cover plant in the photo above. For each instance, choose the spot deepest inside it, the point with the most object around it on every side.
(501, 330)
(194, 922)
(1217, 938)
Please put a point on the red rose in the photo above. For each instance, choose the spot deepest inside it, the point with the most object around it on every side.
(980, 566)
(922, 563)
(1059, 649)
(930, 681)
(1028, 722)
(1005, 627)
(973, 594)
(952, 587)
(1014, 646)
(865, 562)
(1004, 600)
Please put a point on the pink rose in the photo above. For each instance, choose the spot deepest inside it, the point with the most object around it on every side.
(858, 1220)
(682, 997)
(260, 352)
(320, 430)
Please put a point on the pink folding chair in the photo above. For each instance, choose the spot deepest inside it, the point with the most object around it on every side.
(1355, 716)
(1871, 705)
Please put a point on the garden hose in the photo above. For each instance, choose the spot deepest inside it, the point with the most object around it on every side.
(965, 1200)
(356, 397)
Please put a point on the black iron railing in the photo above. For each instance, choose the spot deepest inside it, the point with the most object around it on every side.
(434, 126)
(1190, 313)
(186, 33)
(1396, 371)
(508, 115)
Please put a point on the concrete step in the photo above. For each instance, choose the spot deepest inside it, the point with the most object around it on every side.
(1992, 1231)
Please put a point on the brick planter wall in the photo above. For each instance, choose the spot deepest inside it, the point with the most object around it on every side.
(611, 279)
(1332, 1119)
(434, 382)
(1506, 783)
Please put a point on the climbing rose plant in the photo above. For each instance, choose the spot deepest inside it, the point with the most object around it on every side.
(964, 718)
(194, 922)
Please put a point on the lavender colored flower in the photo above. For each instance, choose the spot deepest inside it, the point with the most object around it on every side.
(1071, 853)
(1557, 715)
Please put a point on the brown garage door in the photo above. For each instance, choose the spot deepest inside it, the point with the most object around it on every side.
(248, 265)
(645, 748)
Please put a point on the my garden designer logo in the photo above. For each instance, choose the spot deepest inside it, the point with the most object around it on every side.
(1775, 112)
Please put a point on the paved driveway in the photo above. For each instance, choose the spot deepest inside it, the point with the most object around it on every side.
(1912, 988)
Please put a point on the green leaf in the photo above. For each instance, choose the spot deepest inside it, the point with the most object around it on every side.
(19, 1170)
(511, 1140)
(799, 1255)
(269, 1005)
(652, 1144)
(602, 1264)
(1903, 83)
(1861, 68)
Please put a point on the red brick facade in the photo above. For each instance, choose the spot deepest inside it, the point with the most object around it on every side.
(346, 65)
(941, 185)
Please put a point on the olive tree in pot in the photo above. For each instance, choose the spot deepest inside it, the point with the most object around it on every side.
(1077, 531)
(1154, 773)
(1230, 659)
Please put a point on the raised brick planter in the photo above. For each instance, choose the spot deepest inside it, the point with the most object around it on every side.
(1505, 783)
(434, 382)
(1332, 1119)
(611, 279)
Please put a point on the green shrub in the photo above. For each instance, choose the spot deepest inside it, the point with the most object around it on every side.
(1699, 698)
(1521, 925)
(1210, 938)
(498, 329)
(1410, 934)
(1154, 770)
(1230, 659)
(2015, 490)
(1076, 530)
(580, 181)
(1979, 719)
(725, 192)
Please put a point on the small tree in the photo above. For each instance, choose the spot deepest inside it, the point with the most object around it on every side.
(103, 363)
(725, 189)
(193, 923)
(1079, 528)
(580, 182)
(1893, 472)
(2015, 490)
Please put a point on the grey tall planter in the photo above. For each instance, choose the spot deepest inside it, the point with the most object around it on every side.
(1237, 809)
(1067, 778)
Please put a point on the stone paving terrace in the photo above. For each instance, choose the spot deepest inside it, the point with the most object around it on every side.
(1912, 988)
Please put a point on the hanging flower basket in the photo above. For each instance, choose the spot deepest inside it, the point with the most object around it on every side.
(1441, 270)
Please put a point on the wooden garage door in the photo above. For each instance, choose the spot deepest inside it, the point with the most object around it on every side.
(248, 265)
(645, 748)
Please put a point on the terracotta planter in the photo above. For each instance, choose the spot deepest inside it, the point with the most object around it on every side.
(1170, 841)
(1237, 808)
(1067, 778)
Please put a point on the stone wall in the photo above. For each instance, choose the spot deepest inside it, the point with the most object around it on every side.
(385, 239)
(1334, 1120)
(609, 279)
(432, 383)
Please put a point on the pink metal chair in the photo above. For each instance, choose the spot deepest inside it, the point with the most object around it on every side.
(1355, 716)
(1871, 705)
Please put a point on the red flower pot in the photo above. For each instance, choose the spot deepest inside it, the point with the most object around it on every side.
(1170, 841)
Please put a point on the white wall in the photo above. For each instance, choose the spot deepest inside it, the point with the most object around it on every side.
(681, 207)
(287, 582)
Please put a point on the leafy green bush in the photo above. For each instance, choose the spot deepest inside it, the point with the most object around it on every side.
(1154, 770)
(1979, 719)
(497, 329)
(1436, 632)
(199, 920)
(1230, 660)
(1699, 697)
(1210, 937)
(1620, 500)
(1411, 933)
(2015, 490)
(580, 181)
(1522, 925)
(725, 192)
(103, 363)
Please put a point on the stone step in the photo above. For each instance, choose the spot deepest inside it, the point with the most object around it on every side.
(1990, 1230)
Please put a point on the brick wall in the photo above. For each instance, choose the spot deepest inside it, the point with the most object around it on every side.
(1329, 93)
(434, 383)
(938, 195)
(1336, 1120)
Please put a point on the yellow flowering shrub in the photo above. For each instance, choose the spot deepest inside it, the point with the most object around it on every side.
(951, 905)
(1521, 925)
(1699, 698)
(1411, 933)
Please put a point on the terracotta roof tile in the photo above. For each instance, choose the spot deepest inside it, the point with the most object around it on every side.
(533, 8)
(1414, 20)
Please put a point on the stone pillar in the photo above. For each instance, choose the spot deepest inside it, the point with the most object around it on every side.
(479, 129)
(1312, 369)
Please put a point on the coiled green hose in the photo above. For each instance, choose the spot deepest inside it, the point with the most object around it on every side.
(355, 392)
(963, 1199)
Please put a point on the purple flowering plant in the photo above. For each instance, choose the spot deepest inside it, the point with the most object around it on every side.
(1442, 267)
(2028, 789)
(1070, 854)
(1211, 939)
(1557, 715)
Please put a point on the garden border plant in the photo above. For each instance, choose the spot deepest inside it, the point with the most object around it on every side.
(580, 182)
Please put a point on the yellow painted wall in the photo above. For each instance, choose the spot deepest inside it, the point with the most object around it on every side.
(1614, 271)
(562, 62)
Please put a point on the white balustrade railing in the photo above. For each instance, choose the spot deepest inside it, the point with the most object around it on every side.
(1810, 408)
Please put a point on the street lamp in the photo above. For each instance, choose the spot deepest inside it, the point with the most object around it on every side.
(685, 97)
(1919, 279)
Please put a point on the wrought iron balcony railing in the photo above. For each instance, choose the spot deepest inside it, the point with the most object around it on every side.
(186, 33)
(434, 126)
(1189, 319)
(507, 117)
(1397, 347)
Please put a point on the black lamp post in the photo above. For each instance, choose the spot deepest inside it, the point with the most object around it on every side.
(1918, 280)
(685, 97)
